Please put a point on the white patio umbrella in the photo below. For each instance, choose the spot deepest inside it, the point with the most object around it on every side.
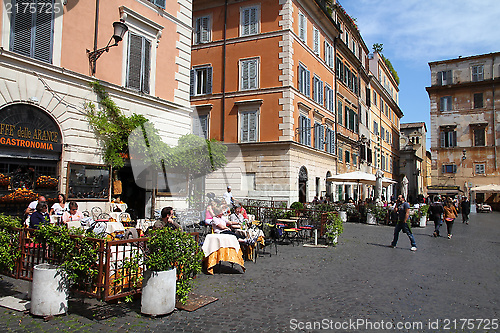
(491, 188)
(359, 177)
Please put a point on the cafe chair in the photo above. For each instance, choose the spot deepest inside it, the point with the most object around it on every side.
(86, 213)
(103, 216)
(96, 211)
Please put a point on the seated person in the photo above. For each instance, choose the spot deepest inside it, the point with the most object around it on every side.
(73, 214)
(237, 216)
(40, 216)
(60, 206)
(32, 206)
(221, 225)
(209, 212)
(166, 220)
(242, 210)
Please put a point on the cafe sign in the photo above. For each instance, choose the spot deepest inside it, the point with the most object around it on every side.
(25, 126)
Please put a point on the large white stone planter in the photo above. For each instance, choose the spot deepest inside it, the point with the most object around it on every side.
(370, 219)
(158, 292)
(423, 221)
(49, 291)
(343, 216)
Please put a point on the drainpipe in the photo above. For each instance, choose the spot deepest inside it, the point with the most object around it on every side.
(494, 110)
(223, 107)
(96, 30)
(336, 104)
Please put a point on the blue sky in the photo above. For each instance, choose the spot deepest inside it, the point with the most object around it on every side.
(416, 32)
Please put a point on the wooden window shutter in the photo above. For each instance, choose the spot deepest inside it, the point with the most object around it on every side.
(134, 61)
(252, 127)
(21, 31)
(192, 82)
(43, 33)
(209, 80)
(146, 66)
(308, 83)
(244, 127)
(253, 28)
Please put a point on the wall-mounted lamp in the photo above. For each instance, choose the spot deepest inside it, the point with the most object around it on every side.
(120, 29)
(464, 155)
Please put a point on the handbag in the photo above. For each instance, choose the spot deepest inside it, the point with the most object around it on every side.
(449, 219)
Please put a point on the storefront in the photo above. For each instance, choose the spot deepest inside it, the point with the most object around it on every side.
(30, 151)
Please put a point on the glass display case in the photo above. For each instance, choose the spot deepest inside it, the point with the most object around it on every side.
(88, 182)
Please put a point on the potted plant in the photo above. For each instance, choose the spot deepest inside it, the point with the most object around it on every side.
(9, 243)
(173, 258)
(334, 227)
(422, 215)
(77, 255)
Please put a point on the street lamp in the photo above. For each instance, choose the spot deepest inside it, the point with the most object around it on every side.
(120, 29)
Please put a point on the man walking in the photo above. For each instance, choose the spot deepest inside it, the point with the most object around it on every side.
(465, 205)
(403, 211)
(436, 211)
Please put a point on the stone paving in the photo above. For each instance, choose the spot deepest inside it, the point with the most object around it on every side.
(361, 281)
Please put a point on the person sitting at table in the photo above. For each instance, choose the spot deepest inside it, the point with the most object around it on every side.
(166, 220)
(60, 206)
(73, 214)
(32, 206)
(237, 216)
(40, 216)
(242, 210)
(221, 225)
(209, 211)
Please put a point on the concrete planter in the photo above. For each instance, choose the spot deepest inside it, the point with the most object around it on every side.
(158, 292)
(49, 291)
(343, 216)
(423, 221)
(370, 219)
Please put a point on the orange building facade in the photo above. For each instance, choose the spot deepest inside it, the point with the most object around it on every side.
(282, 87)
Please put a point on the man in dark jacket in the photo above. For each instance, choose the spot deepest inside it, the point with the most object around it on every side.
(436, 214)
(465, 205)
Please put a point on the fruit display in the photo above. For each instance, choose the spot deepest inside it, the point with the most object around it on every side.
(19, 196)
(46, 181)
(4, 180)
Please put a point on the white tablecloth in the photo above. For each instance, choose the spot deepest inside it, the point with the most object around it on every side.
(250, 233)
(113, 227)
(123, 207)
(213, 242)
(76, 224)
(145, 224)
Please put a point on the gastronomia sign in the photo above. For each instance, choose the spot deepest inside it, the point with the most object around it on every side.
(26, 126)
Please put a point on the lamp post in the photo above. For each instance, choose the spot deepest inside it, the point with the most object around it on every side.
(119, 29)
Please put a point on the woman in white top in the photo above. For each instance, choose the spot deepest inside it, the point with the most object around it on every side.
(60, 206)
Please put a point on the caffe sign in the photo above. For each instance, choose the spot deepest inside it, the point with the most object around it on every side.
(25, 126)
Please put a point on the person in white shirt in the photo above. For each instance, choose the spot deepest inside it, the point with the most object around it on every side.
(228, 196)
(73, 214)
(60, 206)
(32, 206)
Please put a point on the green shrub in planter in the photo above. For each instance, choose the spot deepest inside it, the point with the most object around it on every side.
(297, 205)
(78, 254)
(334, 226)
(169, 248)
(9, 242)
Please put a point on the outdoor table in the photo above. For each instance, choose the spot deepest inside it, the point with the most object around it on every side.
(220, 247)
(252, 236)
(116, 216)
(112, 227)
(55, 219)
(288, 221)
(75, 224)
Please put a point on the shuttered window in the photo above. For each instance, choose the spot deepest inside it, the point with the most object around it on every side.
(316, 40)
(249, 126)
(330, 140)
(302, 27)
(339, 112)
(201, 81)
(200, 126)
(202, 30)
(318, 90)
(444, 78)
(32, 34)
(449, 168)
(328, 54)
(319, 136)
(448, 139)
(304, 80)
(329, 98)
(445, 103)
(477, 73)
(249, 74)
(138, 66)
(249, 21)
(305, 130)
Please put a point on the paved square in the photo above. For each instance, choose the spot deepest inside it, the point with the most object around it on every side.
(361, 281)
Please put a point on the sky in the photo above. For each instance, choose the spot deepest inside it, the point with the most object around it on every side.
(416, 32)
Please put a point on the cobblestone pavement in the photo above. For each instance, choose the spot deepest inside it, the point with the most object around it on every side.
(359, 281)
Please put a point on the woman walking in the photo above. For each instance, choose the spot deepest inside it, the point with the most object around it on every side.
(449, 215)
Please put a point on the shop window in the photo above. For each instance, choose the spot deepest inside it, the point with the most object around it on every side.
(32, 31)
(88, 181)
(172, 184)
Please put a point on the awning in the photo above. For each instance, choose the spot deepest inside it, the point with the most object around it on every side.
(491, 188)
(359, 177)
